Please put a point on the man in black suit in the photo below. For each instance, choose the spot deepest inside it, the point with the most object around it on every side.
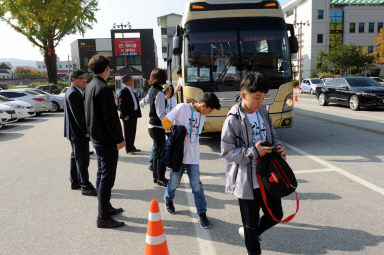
(105, 131)
(75, 130)
(129, 112)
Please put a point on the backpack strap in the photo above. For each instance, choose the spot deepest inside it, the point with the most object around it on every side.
(264, 196)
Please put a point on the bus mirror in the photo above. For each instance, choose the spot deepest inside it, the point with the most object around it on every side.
(177, 45)
(293, 44)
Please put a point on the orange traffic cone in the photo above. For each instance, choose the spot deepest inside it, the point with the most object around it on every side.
(155, 243)
(295, 98)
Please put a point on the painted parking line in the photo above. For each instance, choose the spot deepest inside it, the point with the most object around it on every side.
(310, 171)
(347, 174)
(204, 239)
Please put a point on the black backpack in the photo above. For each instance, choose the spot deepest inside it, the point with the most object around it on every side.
(277, 179)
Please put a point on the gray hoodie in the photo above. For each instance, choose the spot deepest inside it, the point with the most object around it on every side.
(239, 152)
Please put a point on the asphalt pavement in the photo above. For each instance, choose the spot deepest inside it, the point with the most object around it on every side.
(337, 155)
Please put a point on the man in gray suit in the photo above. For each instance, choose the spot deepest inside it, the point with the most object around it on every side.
(75, 130)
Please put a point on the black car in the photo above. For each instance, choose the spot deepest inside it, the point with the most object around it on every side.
(355, 92)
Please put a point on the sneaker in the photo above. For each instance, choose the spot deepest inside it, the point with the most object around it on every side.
(169, 206)
(204, 222)
(241, 232)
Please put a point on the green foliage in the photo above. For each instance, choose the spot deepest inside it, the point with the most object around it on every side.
(322, 64)
(26, 72)
(45, 23)
(313, 74)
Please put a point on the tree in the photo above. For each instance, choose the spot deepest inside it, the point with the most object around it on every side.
(378, 55)
(46, 22)
(322, 65)
(26, 72)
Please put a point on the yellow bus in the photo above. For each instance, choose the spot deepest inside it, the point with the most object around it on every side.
(219, 41)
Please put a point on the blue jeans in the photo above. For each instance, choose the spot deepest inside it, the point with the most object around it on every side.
(195, 183)
(151, 157)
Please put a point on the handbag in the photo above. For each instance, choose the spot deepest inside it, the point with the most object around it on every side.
(276, 178)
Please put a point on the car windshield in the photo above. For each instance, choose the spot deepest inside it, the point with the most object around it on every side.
(316, 81)
(5, 99)
(31, 92)
(362, 82)
(220, 52)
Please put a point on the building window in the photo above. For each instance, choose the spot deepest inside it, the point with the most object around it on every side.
(352, 27)
(336, 20)
(320, 38)
(371, 27)
(361, 27)
(370, 49)
(379, 26)
(320, 14)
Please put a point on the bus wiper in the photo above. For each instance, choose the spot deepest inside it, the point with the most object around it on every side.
(225, 70)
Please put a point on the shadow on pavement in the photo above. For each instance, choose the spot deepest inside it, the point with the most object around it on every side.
(309, 239)
(9, 136)
(313, 196)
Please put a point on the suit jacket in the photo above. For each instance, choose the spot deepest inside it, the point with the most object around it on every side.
(75, 126)
(127, 105)
(101, 116)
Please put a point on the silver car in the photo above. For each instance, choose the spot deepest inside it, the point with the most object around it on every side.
(23, 109)
(7, 114)
(41, 103)
(57, 100)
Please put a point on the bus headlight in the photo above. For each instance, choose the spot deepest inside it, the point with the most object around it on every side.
(288, 103)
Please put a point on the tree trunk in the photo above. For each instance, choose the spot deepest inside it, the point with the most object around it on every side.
(50, 63)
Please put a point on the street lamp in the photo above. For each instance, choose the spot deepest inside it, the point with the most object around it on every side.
(300, 25)
(122, 26)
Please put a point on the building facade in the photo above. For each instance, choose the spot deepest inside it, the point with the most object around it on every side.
(167, 24)
(320, 24)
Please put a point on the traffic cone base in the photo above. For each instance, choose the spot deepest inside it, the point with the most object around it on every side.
(155, 241)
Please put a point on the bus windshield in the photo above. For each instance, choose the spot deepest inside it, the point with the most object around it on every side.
(219, 52)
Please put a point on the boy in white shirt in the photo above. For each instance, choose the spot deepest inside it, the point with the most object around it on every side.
(192, 116)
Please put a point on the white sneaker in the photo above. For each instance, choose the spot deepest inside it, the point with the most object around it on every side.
(241, 231)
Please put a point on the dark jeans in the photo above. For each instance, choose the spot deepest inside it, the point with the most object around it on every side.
(80, 163)
(130, 133)
(158, 137)
(107, 156)
(253, 226)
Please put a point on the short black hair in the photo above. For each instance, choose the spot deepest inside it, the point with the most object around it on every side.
(210, 99)
(98, 64)
(76, 74)
(255, 82)
(178, 70)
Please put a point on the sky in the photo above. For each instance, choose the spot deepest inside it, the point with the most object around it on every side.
(140, 14)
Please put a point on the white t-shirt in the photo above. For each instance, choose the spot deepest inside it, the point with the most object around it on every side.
(256, 134)
(181, 115)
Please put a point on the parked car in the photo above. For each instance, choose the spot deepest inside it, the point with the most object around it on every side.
(310, 85)
(8, 115)
(57, 101)
(379, 80)
(41, 103)
(355, 92)
(51, 89)
(62, 93)
(22, 109)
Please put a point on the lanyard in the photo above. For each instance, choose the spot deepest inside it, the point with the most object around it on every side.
(198, 127)
(250, 125)
(170, 104)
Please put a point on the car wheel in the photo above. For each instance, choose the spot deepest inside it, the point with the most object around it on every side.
(38, 113)
(323, 99)
(311, 92)
(354, 103)
(300, 91)
(55, 107)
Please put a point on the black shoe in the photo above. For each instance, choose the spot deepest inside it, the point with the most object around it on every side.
(115, 210)
(75, 186)
(150, 167)
(91, 152)
(154, 180)
(162, 182)
(169, 206)
(204, 222)
(89, 192)
(111, 223)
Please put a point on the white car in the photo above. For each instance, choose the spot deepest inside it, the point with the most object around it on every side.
(62, 93)
(23, 109)
(7, 114)
(41, 103)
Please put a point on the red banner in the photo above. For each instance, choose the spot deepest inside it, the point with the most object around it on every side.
(128, 46)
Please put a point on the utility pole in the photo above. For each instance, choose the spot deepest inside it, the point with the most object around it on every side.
(300, 25)
(122, 26)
